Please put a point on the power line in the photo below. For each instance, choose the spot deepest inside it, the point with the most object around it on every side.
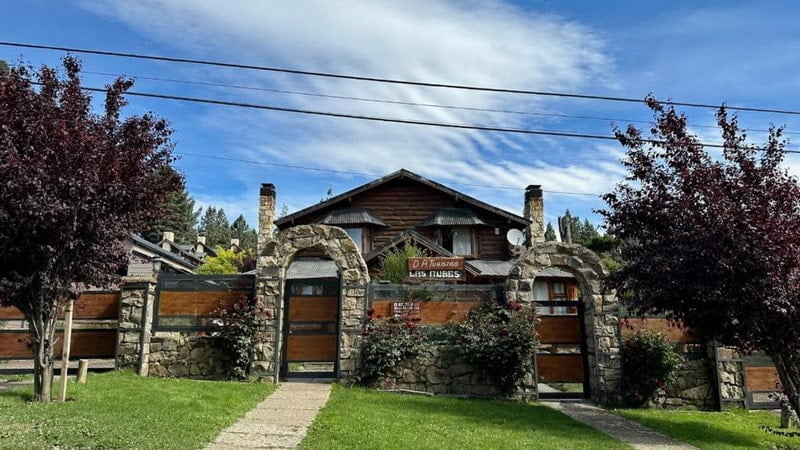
(386, 80)
(552, 133)
(362, 174)
(392, 102)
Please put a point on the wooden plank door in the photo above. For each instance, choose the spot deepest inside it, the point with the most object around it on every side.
(311, 318)
(561, 362)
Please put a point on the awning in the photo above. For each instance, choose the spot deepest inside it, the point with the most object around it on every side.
(306, 268)
(500, 268)
(351, 216)
(452, 217)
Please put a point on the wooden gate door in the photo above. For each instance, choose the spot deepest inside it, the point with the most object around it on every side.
(311, 331)
(561, 363)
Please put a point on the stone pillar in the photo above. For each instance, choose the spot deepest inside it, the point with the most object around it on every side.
(534, 212)
(135, 319)
(269, 287)
(266, 214)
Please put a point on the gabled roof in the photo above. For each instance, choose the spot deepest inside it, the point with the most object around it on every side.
(400, 174)
(171, 258)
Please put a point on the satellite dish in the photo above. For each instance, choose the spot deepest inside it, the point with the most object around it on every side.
(515, 237)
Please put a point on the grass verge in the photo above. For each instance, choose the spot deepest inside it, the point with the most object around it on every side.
(122, 410)
(362, 419)
(714, 430)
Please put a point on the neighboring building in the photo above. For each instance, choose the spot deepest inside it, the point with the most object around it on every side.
(146, 258)
(401, 207)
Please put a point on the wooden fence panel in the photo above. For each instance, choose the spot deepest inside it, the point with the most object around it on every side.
(196, 303)
(89, 306)
(85, 344)
(560, 368)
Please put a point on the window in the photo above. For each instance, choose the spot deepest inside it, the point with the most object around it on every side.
(361, 238)
(458, 240)
(555, 291)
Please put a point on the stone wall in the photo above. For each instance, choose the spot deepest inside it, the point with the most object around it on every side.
(440, 371)
(730, 371)
(185, 355)
(693, 387)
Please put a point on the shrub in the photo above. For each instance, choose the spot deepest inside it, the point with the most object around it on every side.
(386, 343)
(500, 340)
(649, 362)
(394, 266)
(236, 329)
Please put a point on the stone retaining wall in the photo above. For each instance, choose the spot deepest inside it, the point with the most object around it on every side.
(440, 371)
(185, 355)
(693, 387)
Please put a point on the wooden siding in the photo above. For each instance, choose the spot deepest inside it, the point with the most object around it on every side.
(559, 329)
(762, 378)
(90, 305)
(404, 204)
(195, 303)
(85, 344)
(313, 309)
(431, 313)
(313, 347)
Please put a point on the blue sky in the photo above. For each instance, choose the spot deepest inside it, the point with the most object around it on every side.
(739, 52)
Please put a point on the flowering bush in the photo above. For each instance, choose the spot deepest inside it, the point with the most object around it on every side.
(386, 343)
(236, 329)
(499, 339)
(649, 361)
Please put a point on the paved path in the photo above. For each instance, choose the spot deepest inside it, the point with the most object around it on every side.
(618, 427)
(280, 421)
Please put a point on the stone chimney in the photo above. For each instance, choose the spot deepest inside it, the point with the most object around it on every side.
(201, 239)
(234, 244)
(266, 213)
(534, 211)
(167, 236)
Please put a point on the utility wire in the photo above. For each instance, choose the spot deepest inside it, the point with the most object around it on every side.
(392, 102)
(362, 174)
(385, 80)
(554, 133)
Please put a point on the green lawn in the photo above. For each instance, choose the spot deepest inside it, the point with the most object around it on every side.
(714, 430)
(122, 410)
(363, 419)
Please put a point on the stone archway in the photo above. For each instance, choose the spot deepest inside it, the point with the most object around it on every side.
(274, 258)
(601, 309)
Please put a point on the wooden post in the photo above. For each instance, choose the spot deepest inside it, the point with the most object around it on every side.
(65, 349)
(83, 368)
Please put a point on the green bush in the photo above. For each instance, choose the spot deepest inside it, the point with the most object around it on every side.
(386, 343)
(236, 329)
(394, 266)
(649, 362)
(500, 340)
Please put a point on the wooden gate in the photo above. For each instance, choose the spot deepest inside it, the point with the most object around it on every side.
(561, 365)
(311, 328)
(760, 380)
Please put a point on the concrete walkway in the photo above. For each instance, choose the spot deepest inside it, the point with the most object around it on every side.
(280, 421)
(615, 426)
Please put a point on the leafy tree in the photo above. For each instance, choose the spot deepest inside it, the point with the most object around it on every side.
(712, 242)
(215, 224)
(75, 184)
(179, 217)
(3, 67)
(246, 235)
(228, 261)
(549, 233)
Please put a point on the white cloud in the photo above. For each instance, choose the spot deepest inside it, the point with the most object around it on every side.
(485, 43)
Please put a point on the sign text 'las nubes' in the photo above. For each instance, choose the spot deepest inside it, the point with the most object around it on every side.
(436, 268)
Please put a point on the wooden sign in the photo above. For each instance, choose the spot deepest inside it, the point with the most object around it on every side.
(408, 310)
(442, 269)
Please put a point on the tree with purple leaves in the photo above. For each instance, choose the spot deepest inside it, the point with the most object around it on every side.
(712, 238)
(74, 185)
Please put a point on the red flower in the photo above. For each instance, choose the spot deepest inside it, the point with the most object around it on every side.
(411, 325)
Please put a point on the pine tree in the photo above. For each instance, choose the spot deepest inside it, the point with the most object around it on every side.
(179, 217)
(246, 235)
(549, 233)
(215, 225)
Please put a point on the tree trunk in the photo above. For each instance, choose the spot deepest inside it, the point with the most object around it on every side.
(789, 374)
(43, 334)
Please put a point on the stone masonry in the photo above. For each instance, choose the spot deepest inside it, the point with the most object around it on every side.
(601, 313)
(136, 309)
